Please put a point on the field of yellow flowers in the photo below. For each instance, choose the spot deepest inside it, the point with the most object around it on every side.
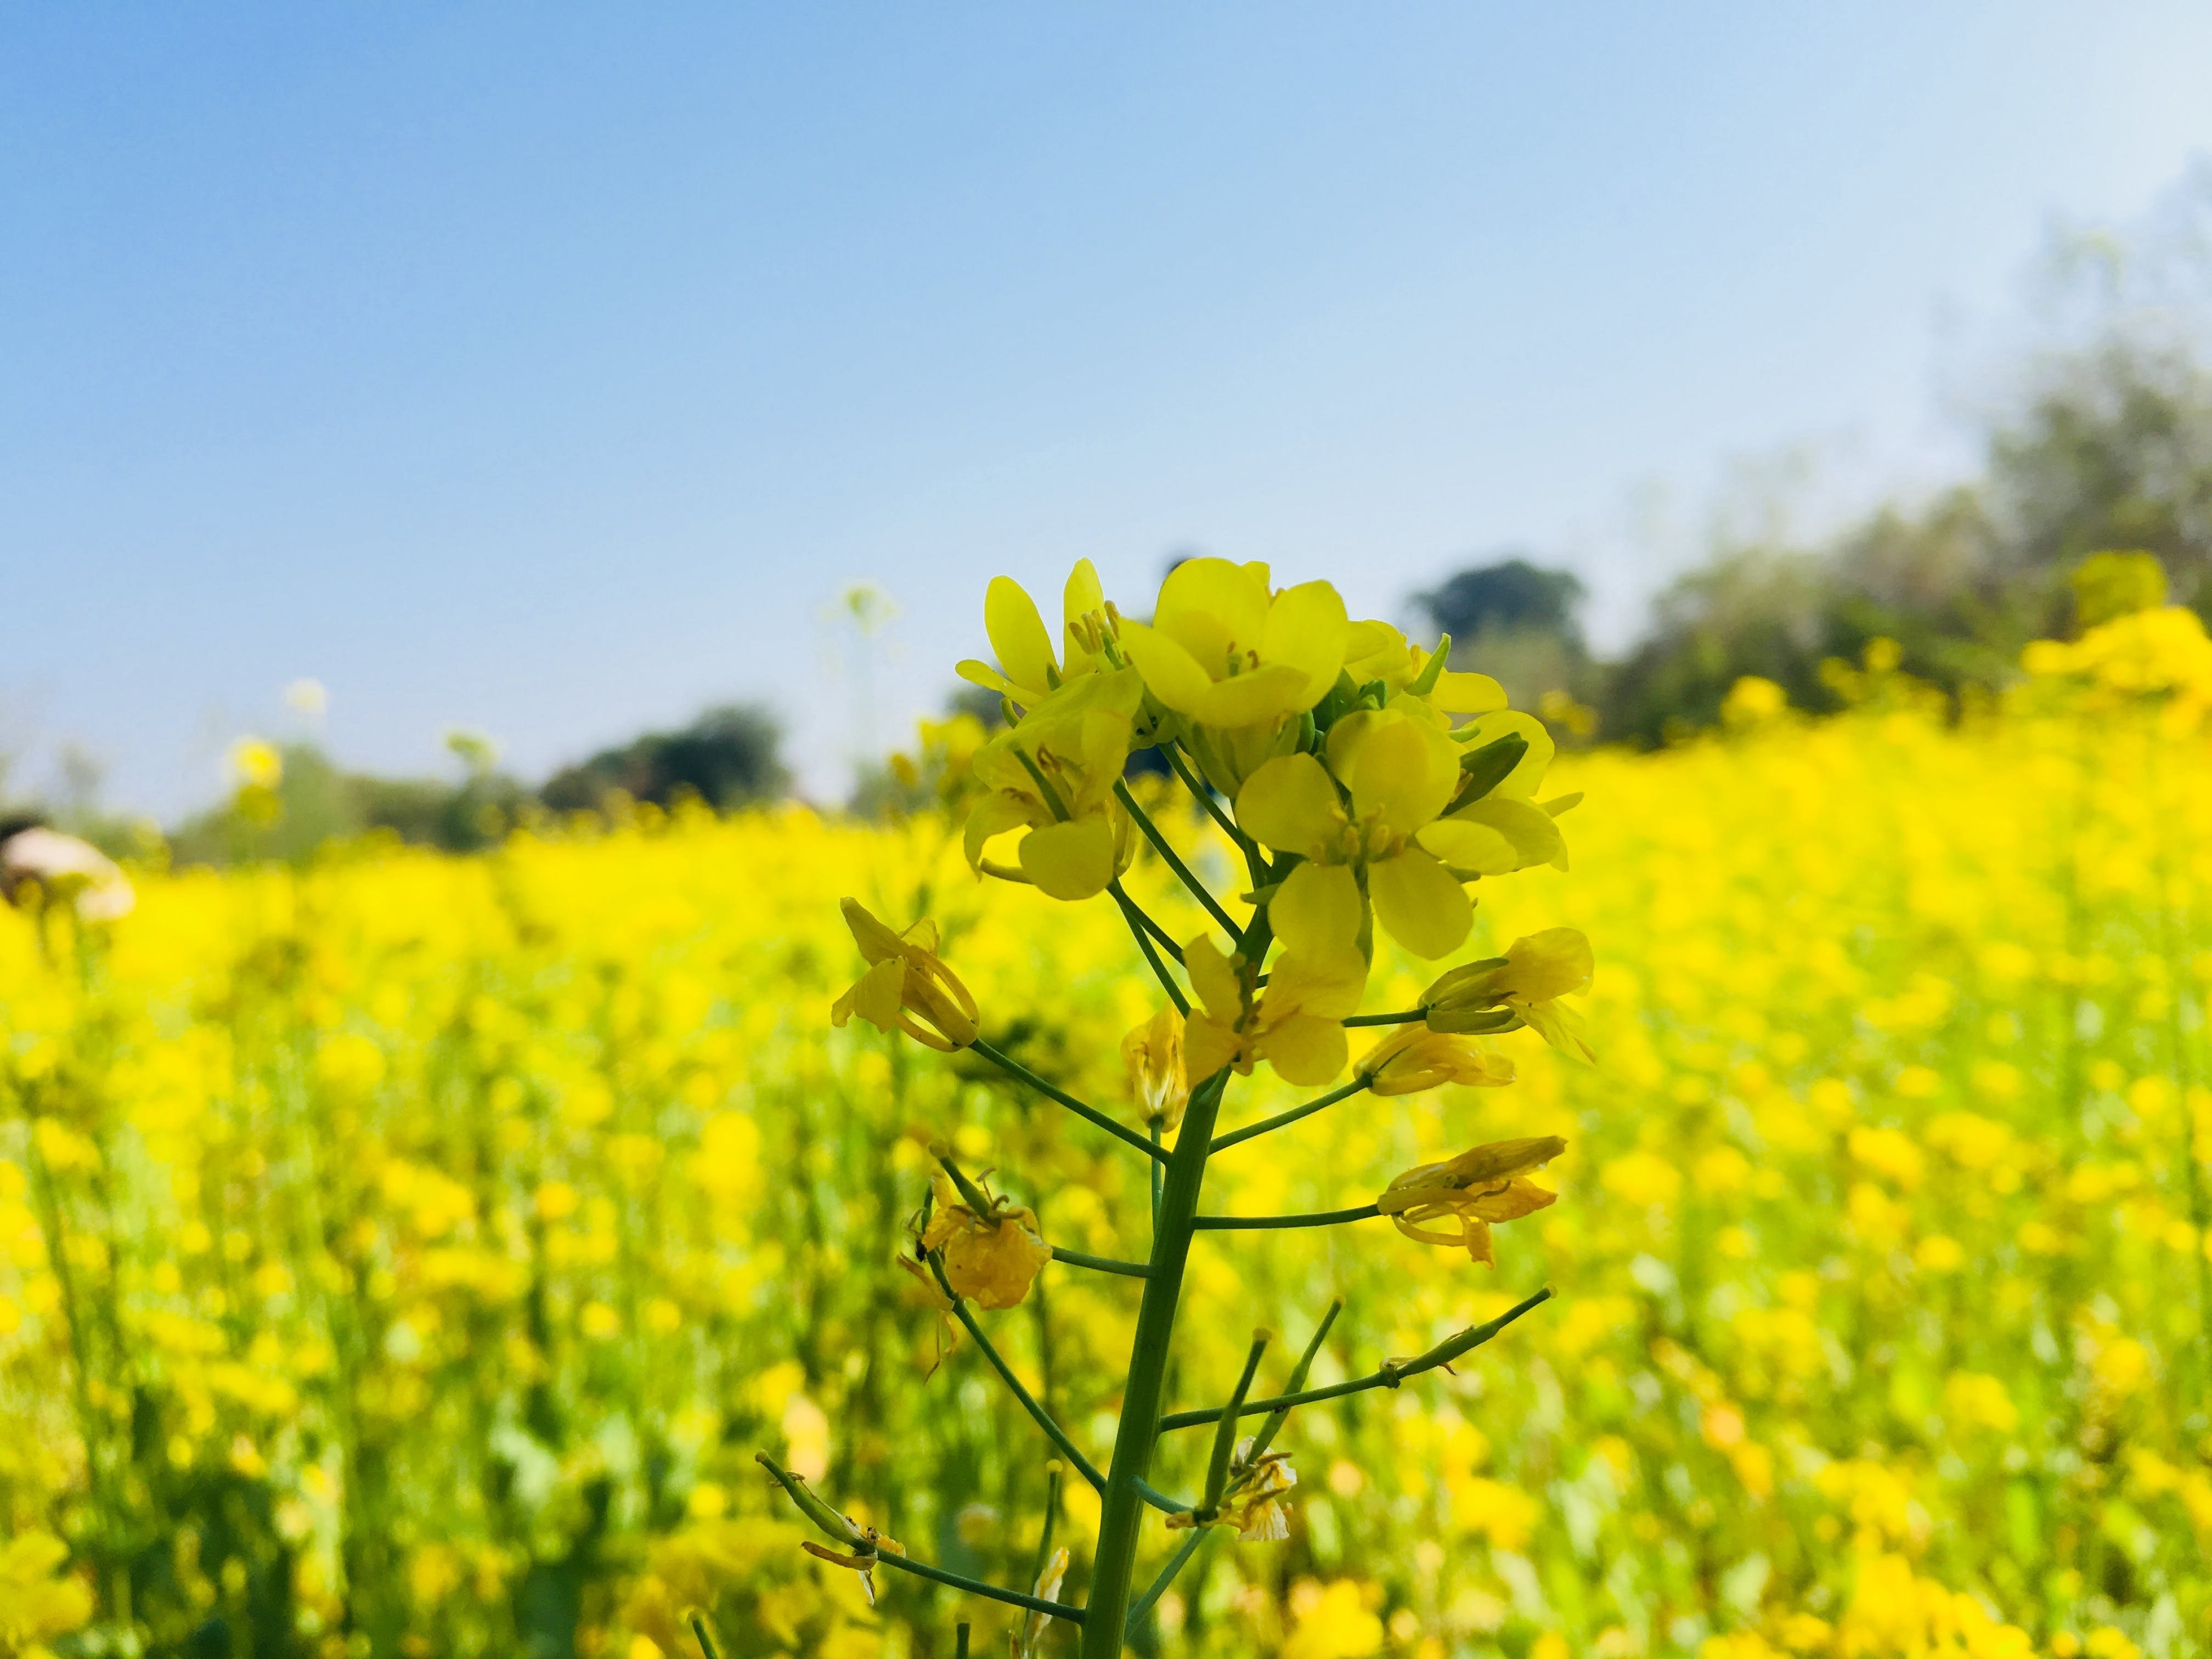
(405, 1253)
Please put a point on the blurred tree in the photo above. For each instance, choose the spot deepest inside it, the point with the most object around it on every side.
(727, 756)
(1516, 621)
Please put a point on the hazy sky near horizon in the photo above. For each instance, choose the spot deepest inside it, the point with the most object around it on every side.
(549, 371)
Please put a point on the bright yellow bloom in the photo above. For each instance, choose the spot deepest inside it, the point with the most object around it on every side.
(1417, 1058)
(1224, 650)
(991, 1259)
(1376, 651)
(1295, 1025)
(1055, 772)
(35, 1603)
(1481, 1186)
(1027, 671)
(1525, 982)
(1152, 1054)
(1401, 770)
(908, 989)
(255, 763)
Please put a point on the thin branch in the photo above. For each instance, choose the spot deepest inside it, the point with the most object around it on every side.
(1224, 1439)
(1235, 1137)
(706, 1641)
(1138, 913)
(1174, 861)
(1137, 923)
(1101, 1263)
(1042, 1419)
(1177, 1562)
(1014, 1067)
(1160, 1501)
(1392, 1373)
(1202, 792)
(1237, 1224)
(1281, 1415)
(977, 1587)
(1404, 1017)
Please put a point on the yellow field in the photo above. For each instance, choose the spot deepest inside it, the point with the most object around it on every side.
(407, 1255)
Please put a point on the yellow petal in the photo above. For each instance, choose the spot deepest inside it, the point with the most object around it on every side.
(1306, 630)
(877, 996)
(1083, 593)
(994, 815)
(1264, 695)
(1329, 983)
(1305, 1049)
(1214, 981)
(1466, 694)
(1171, 672)
(1071, 860)
(1466, 845)
(1212, 608)
(982, 674)
(1417, 900)
(1018, 635)
(1400, 768)
(1522, 780)
(1208, 1045)
(1290, 805)
(1555, 963)
(876, 940)
(1535, 834)
(1317, 911)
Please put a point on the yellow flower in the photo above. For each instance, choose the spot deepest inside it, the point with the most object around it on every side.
(990, 1258)
(256, 764)
(1224, 650)
(1401, 771)
(907, 988)
(1525, 983)
(1374, 651)
(1296, 1025)
(1481, 1186)
(1054, 772)
(1417, 1058)
(1027, 671)
(1152, 1053)
(34, 1603)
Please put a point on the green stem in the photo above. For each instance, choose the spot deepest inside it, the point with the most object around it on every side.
(1075, 1615)
(1233, 1223)
(1175, 862)
(1137, 914)
(1121, 1515)
(1392, 1373)
(1404, 1017)
(1235, 1137)
(1014, 1068)
(1177, 1562)
(1274, 1425)
(706, 1641)
(1201, 793)
(1224, 1438)
(1100, 1263)
(1042, 1419)
(1137, 919)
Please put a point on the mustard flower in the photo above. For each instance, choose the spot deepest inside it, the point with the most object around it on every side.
(1399, 770)
(1416, 1058)
(1225, 650)
(907, 988)
(1054, 771)
(1152, 1054)
(1528, 983)
(1485, 1185)
(1027, 670)
(1295, 1025)
(991, 1258)
(1253, 1500)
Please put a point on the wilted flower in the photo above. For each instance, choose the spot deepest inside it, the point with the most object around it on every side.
(1417, 1058)
(990, 1257)
(1527, 982)
(1152, 1054)
(907, 989)
(1481, 1186)
(1252, 1501)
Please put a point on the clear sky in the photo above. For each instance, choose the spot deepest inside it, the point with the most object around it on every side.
(549, 370)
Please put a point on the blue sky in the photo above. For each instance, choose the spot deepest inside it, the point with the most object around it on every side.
(550, 370)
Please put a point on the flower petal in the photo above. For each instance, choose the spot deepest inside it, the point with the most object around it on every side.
(1522, 780)
(1171, 672)
(1317, 910)
(1072, 860)
(1305, 1049)
(1212, 608)
(1018, 635)
(1290, 805)
(1265, 695)
(1306, 630)
(1417, 900)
